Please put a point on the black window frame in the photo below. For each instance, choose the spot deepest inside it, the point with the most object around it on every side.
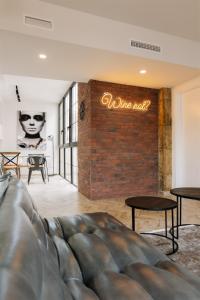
(62, 144)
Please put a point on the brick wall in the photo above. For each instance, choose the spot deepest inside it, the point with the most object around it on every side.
(84, 142)
(118, 149)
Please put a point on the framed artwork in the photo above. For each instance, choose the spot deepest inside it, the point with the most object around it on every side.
(31, 130)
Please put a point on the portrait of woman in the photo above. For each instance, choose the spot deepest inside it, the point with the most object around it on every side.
(31, 130)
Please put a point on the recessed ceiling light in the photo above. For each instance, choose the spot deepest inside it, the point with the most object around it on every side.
(42, 56)
(143, 71)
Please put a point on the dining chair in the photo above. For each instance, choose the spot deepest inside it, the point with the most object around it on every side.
(10, 161)
(46, 165)
(36, 163)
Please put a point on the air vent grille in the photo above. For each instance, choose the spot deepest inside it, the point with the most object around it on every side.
(146, 46)
(44, 24)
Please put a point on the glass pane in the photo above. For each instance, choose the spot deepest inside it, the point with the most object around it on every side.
(75, 165)
(68, 164)
(74, 94)
(62, 162)
(75, 156)
(61, 124)
(69, 133)
(66, 125)
(74, 114)
(75, 176)
(74, 132)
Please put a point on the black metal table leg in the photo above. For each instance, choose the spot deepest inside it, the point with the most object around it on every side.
(133, 218)
(177, 218)
(166, 223)
(173, 244)
(180, 211)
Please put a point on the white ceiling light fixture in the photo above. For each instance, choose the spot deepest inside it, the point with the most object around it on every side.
(42, 56)
(143, 71)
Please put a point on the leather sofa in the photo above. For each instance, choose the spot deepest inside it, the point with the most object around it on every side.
(4, 180)
(84, 257)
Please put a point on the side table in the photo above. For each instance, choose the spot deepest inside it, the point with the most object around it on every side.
(192, 193)
(154, 203)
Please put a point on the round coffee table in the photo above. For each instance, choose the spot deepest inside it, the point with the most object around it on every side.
(154, 203)
(192, 193)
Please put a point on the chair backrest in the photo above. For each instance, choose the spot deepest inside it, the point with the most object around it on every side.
(10, 158)
(36, 154)
(36, 161)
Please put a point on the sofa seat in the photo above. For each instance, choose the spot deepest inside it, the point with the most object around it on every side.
(83, 257)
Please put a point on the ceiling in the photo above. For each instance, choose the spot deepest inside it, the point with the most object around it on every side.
(88, 41)
(73, 62)
(176, 17)
(35, 89)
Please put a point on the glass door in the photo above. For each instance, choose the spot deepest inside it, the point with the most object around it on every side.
(68, 135)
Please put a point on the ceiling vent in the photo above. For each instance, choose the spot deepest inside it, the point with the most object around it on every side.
(146, 46)
(44, 24)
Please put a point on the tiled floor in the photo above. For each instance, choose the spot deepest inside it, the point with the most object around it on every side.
(58, 198)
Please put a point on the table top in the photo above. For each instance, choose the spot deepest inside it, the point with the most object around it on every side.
(153, 203)
(187, 192)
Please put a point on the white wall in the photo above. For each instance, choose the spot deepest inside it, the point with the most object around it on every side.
(1, 111)
(186, 134)
(8, 118)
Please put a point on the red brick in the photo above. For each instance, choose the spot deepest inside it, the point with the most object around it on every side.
(118, 149)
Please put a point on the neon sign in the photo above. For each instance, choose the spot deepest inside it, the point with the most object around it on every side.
(118, 103)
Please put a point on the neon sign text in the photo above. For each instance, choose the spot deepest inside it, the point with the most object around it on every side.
(118, 103)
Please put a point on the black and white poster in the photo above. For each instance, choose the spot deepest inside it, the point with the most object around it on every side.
(31, 130)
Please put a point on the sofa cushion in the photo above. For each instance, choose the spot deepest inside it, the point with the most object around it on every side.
(18, 196)
(122, 249)
(180, 271)
(87, 223)
(110, 286)
(53, 286)
(19, 248)
(54, 227)
(69, 268)
(92, 254)
(13, 285)
(161, 284)
(79, 291)
(39, 228)
(152, 253)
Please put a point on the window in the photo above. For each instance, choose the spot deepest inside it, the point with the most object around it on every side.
(68, 135)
